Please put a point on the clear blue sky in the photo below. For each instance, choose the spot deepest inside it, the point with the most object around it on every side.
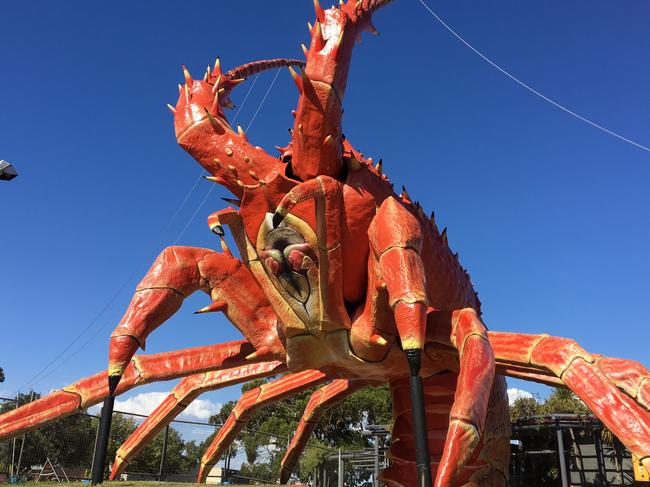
(549, 214)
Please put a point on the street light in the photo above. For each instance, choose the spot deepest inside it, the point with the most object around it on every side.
(7, 171)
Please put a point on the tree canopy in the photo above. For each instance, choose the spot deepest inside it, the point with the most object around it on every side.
(266, 437)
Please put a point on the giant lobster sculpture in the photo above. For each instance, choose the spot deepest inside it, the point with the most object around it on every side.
(342, 283)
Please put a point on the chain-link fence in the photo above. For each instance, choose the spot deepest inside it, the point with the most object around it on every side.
(568, 450)
(64, 450)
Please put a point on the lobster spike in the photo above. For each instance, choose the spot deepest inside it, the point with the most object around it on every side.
(310, 27)
(186, 73)
(443, 237)
(171, 108)
(305, 50)
(187, 93)
(379, 167)
(432, 218)
(232, 201)
(216, 84)
(304, 78)
(213, 121)
(328, 139)
(215, 179)
(180, 88)
(296, 79)
(241, 133)
(372, 29)
(259, 353)
(320, 13)
(337, 45)
(237, 81)
(213, 307)
(319, 41)
(217, 67)
(405, 194)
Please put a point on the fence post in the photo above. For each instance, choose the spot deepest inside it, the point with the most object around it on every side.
(560, 451)
(340, 483)
(163, 455)
(226, 464)
(375, 476)
(602, 471)
(101, 445)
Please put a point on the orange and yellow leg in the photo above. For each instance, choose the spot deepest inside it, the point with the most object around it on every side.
(179, 272)
(613, 389)
(468, 412)
(142, 369)
(250, 402)
(395, 237)
(319, 402)
(180, 398)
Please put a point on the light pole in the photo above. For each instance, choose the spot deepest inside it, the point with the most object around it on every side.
(7, 171)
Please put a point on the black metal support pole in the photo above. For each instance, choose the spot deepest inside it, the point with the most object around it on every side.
(419, 419)
(375, 473)
(101, 446)
(561, 454)
(163, 455)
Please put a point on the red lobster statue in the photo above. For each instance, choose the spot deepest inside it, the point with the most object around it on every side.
(340, 282)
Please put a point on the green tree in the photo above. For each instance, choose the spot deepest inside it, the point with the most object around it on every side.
(524, 407)
(563, 401)
(67, 441)
(267, 434)
(2, 375)
(148, 459)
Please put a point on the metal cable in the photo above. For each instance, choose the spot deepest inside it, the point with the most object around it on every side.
(528, 87)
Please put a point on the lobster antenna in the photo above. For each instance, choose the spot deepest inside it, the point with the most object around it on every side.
(249, 69)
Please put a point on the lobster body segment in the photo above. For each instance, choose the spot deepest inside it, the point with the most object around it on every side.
(340, 280)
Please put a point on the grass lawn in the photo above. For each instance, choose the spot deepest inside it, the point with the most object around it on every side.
(124, 484)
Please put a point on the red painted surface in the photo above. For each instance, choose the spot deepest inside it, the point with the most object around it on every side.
(338, 275)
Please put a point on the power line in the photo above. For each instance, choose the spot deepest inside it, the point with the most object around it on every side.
(39, 375)
(528, 87)
(263, 100)
(106, 306)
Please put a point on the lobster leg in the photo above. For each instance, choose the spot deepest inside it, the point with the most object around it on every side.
(180, 397)
(594, 381)
(177, 273)
(250, 402)
(468, 412)
(142, 369)
(319, 402)
(396, 241)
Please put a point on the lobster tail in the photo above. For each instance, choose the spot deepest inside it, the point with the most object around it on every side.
(488, 466)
